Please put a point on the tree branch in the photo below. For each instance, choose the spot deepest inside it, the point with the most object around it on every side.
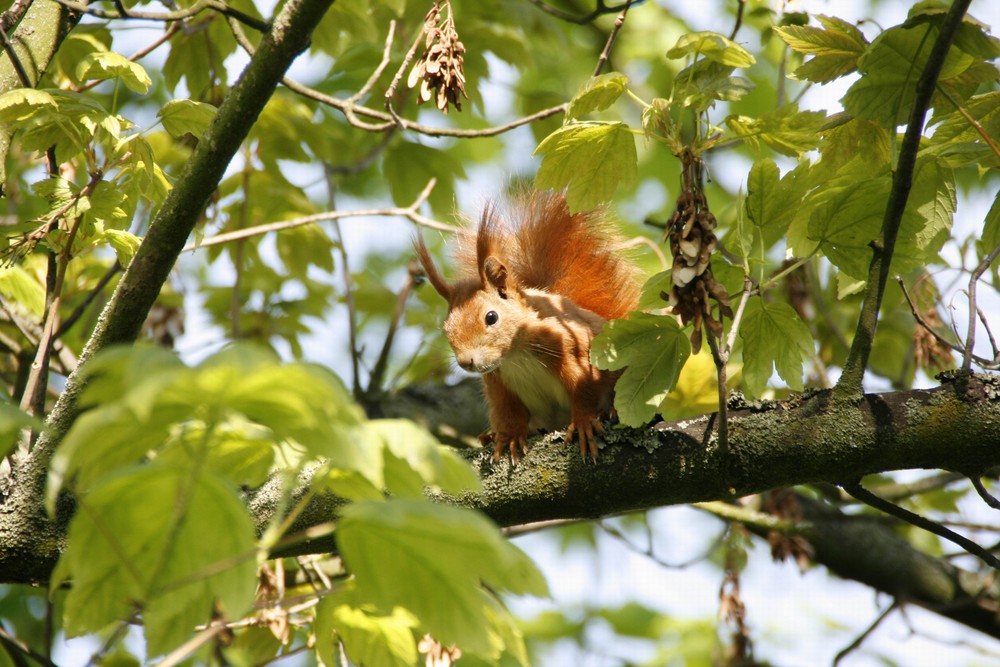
(850, 383)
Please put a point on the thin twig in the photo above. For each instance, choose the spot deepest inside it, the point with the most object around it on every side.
(649, 553)
(851, 382)
(972, 121)
(409, 212)
(187, 649)
(649, 243)
(879, 503)
(854, 645)
(377, 375)
(740, 6)
(390, 92)
(178, 15)
(15, 61)
(599, 10)
(989, 332)
(602, 60)
(987, 497)
(970, 339)
(81, 308)
(22, 647)
(386, 120)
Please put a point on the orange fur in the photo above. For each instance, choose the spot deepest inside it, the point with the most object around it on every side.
(536, 286)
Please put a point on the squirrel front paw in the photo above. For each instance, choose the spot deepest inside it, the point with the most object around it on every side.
(586, 428)
(507, 442)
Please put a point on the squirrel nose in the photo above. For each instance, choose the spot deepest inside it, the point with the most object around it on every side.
(466, 361)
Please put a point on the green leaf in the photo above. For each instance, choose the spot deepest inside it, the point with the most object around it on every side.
(714, 47)
(773, 338)
(432, 559)
(431, 462)
(408, 167)
(836, 48)
(22, 290)
(991, 228)
(592, 160)
(237, 450)
(705, 82)
(12, 421)
(786, 129)
(144, 538)
(124, 243)
(890, 68)
(106, 203)
(21, 104)
(772, 202)
(652, 349)
(369, 637)
(181, 117)
(984, 109)
(598, 93)
(111, 65)
(927, 219)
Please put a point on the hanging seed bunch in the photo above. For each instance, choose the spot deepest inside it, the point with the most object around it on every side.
(692, 241)
(439, 71)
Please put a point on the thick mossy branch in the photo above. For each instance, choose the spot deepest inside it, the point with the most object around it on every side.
(850, 383)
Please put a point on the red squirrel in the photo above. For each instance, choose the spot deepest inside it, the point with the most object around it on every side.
(534, 289)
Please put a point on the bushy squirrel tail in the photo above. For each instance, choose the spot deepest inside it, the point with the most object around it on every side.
(545, 247)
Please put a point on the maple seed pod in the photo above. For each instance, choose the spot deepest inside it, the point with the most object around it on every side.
(440, 69)
(691, 234)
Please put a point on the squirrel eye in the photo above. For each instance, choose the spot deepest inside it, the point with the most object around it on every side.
(492, 318)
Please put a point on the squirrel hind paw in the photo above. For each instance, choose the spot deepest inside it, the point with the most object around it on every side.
(586, 430)
(516, 445)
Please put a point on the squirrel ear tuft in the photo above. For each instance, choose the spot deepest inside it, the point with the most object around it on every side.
(440, 285)
(495, 273)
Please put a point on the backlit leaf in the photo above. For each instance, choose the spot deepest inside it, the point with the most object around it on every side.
(598, 93)
(111, 65)
(591, 160)
(835, 48)
(714, 47)
(652, 349)
(432, 559)
(180, 117)
(774, 338)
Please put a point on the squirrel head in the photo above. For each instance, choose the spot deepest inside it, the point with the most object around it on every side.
(486, 313)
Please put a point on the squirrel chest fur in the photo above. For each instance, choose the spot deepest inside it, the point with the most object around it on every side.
(536, 287)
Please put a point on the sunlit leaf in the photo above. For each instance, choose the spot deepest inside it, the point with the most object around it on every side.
(111, 65)
(598, 93)
(591, 160)
(774, 338)
(652, 349)
(714, 47)
(835, 48)
(181, 117)
(431, 559)
(144, 538)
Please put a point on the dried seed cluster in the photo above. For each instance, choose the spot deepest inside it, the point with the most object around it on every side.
(439, 70)
(692, 241)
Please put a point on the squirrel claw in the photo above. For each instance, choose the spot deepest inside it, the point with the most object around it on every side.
(585, 429)
(516, 445)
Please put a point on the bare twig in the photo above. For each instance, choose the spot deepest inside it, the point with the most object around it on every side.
(972, 121)
(23, 648)
(178, 15)
(879, 503)
(602, 60)
(854, 645)
(407, 59)
(649, 553)
(15, 61)
(386, 120)
(81, 308)
(970, 339)
(740, 6)
(410, 212)
(599, 10)
(850, 384)
(377, 375)
(987, 497)
(649, 243)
